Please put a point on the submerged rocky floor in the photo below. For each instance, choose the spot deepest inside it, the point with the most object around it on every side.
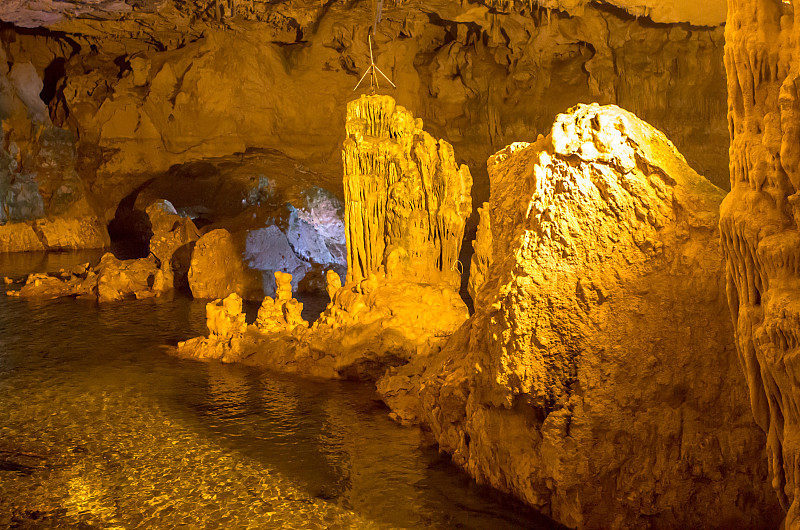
(100, 429)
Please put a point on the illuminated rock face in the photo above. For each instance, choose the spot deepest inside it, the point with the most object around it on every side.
(406, 199)
(759, 223)
(597, 379)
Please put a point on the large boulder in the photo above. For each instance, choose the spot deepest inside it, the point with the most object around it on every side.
(597, 379)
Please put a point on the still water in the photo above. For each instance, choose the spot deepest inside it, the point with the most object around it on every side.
(100, 428)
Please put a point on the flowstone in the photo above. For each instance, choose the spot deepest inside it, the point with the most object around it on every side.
(760, 224)
(406, 199)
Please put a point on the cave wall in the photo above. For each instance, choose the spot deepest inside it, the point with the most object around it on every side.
(759, 222)
(147, 85)
(44, 204)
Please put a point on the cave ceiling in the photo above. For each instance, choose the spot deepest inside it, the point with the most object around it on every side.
(58, 14)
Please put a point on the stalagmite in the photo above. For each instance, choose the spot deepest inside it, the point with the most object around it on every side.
(405, 195)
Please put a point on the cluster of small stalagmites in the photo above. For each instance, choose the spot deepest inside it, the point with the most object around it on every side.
(229, 335)
(225, 319)
(759, 223)
(403, 190)
(349, 304)
(227, 327)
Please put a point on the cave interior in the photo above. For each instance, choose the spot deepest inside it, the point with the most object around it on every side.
(548, 250)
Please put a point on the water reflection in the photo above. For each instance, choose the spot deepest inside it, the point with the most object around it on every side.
(99, 428)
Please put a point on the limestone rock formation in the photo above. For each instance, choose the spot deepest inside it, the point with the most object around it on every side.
(283, 313)
(597, 379)
(760, 224)
(710, 13)
(33, 13)
(226, 326)
(406, 199)
(110, 280)
(164, 269)
(406, 204)
(41, 191)
(118, 279)
(44, 203)
(368, 326)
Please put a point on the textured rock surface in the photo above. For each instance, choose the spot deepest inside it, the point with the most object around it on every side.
(164, 269)
(759, 222)
(33, 13)
(44, 204)
(172, 243)
(166, 83)
(406, 199)
(368, 326)
(110, 280)
(598, 379)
